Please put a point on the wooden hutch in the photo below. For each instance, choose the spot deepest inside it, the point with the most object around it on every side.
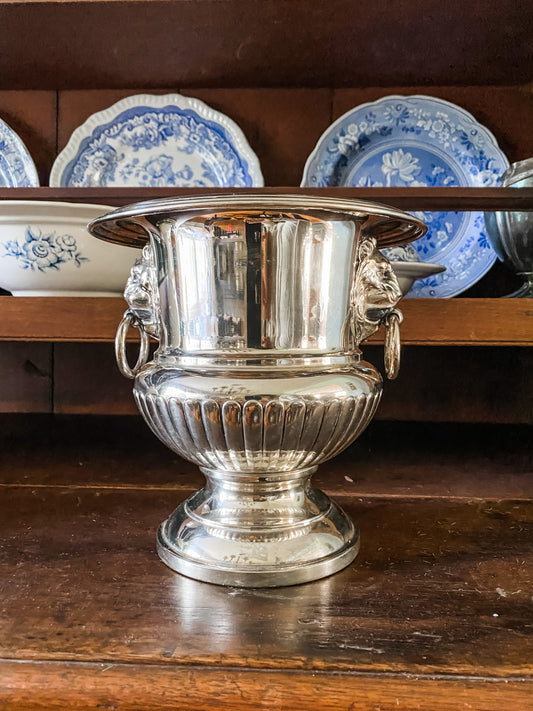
(436, 612)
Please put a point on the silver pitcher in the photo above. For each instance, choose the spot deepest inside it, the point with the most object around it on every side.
(259, 303)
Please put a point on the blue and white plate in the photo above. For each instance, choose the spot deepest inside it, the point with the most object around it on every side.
(157, 141)
(17, 169)
(418, 141)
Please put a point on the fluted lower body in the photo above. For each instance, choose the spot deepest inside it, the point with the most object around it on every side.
(257, 436)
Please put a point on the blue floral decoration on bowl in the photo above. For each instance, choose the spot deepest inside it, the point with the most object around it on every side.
(418, 141)
(157, 141)
(44, 252)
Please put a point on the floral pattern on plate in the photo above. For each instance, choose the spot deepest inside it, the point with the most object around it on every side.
(157, 141)
(44, 251)
(418, 141)
(17, 169)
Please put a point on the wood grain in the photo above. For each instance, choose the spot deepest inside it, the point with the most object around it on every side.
(482, 322)
(435, 612)
(61, 318)
(465, 322)
(440, 587)
(53, 686)
(432, 615)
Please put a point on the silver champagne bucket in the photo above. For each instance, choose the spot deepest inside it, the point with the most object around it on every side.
(259, 304)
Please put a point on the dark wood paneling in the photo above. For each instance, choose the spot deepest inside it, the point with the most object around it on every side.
(33, 116)
(87, 380)
(440, 385)
(264, 43)
(440, 587)
(92, 450)
(459, 385)
(282, 126)
(390, 459)
(434, 613)
(25, 377)
(466, 384)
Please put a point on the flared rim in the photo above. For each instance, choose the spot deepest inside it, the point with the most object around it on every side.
(132, 224)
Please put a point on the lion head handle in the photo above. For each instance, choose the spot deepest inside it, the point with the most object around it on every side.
(142, 295)
(374, 296)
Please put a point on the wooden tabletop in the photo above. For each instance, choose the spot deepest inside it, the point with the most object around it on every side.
(435, 613)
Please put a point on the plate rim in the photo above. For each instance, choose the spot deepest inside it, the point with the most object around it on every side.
(29, 164)
(98, 118)
(390, 97)
(413, 98)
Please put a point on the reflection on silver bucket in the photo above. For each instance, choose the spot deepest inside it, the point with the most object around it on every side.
(511, 233)
(259, 304)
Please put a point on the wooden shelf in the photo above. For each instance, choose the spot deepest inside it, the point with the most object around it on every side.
(461, 199)
(431, 322)
(432, 615)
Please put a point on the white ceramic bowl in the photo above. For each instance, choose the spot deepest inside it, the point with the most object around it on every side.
(408, 272)
(46, 250)
(407, 266)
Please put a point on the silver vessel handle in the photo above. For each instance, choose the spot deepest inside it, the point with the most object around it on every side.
(392, 343)
(375, 293)
(141, 293)
(129, 320)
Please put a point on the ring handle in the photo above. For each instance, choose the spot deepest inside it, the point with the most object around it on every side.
(392, 343)
(127, 322)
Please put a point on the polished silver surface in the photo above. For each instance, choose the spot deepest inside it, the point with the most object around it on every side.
(258, 532)
(258, 432)
(275, 285)
(268, 421)
(258, 377)
(511, 233)
(134, 224)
